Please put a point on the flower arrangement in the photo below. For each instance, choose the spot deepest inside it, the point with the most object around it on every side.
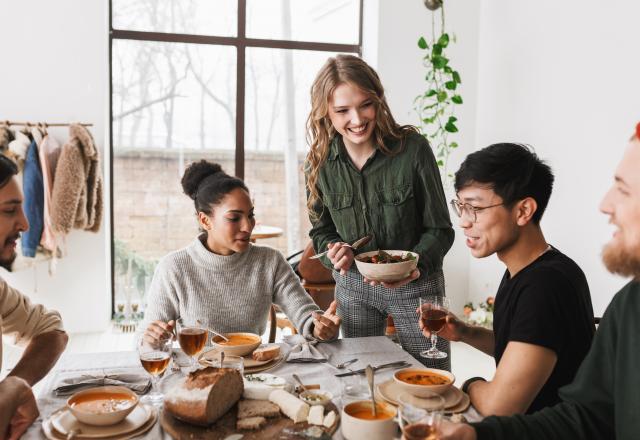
(481, 315)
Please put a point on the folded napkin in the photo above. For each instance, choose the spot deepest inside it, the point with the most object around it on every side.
(303, 350)
(139, 383)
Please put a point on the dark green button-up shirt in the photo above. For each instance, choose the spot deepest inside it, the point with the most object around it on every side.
(399, 199)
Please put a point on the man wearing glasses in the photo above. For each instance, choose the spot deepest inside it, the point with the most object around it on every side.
(543, 317)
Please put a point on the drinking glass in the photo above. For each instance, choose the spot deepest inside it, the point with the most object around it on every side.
(354, 388)
(419, 417)
(229, 361)
(154, 357)
(433, 313)
(192, 337)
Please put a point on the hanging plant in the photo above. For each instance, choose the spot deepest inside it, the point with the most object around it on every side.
(436, 105)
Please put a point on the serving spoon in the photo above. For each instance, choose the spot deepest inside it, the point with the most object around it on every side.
(369, 372)
(355, 246)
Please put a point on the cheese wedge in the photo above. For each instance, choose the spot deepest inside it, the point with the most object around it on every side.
(291, 406)
(316, 415)
(329, 419)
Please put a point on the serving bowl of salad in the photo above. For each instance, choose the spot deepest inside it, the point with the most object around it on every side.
(386, 266)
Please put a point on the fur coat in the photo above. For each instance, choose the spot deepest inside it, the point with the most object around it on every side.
(76, 200)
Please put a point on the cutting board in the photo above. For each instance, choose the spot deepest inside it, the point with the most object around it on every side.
(276, 428)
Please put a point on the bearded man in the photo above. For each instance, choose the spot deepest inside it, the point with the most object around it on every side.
(603, 401)
(31, 325)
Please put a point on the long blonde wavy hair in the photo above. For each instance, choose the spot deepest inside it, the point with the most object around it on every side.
(344, 69)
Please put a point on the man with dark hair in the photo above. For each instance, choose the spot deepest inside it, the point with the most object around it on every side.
(39, 329)
(543, 317)
(603, 401)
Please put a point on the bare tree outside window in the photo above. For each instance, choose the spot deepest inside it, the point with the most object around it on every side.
(181, 73)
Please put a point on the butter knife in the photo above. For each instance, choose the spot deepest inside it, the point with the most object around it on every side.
(397, 364)
(355, 246)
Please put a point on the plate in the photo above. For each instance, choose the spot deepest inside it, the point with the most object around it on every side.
(52, 433)
(461, 406)
(390, 391)
(250, 365)
(66, 422)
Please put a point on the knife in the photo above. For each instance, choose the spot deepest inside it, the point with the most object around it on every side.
(397, 364)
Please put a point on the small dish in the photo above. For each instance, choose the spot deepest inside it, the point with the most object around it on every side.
(102, 406)
(316, 397)
(239, 344)
(358, 422)
(420, 381)
(386, 272)
(391, 391)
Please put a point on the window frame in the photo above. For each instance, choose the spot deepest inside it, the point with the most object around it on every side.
(241, 42)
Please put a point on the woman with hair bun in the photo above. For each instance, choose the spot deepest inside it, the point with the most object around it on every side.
(221, 277)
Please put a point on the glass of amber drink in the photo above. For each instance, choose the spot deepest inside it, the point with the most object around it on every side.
(192, 337)
(154, 357)
(419, 417)
(433, 313)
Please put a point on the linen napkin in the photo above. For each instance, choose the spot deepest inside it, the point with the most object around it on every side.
(138, 383)
(303, 350)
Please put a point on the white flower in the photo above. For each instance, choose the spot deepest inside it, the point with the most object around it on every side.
(479, 316)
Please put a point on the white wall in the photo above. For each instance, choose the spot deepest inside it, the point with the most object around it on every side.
(390, 45)
(563, 77)
(55, 68)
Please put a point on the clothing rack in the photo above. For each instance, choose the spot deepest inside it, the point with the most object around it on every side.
(45, 124)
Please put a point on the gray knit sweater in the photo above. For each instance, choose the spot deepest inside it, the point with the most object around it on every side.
(228, 293)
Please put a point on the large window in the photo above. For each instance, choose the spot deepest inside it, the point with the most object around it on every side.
(223, 80)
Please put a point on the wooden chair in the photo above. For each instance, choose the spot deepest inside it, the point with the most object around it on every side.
(278, 320)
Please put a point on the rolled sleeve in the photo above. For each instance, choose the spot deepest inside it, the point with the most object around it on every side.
(22, 320)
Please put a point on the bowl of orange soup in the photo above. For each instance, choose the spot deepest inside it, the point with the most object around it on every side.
(239, 344)
(358, 422)
(102, 406)
(420, 381)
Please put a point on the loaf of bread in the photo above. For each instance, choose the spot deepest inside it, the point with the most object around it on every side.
(251, 423)
(266, 353)
(204, 395)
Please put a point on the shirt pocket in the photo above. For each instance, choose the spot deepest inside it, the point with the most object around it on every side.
(340, 207)
(398, 211)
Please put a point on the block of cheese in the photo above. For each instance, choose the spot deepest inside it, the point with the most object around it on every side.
(291, 406)
(251, 423)
(329, 419)
(316, 415)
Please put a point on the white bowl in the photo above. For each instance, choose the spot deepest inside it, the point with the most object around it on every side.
(316, 397)
(423, 390)
(355, 428)
(252, 342)
(101, 413)
(386, 272)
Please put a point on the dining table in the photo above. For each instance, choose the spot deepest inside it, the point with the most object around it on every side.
(369, 350)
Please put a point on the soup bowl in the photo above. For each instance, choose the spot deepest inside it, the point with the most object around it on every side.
(422, 381)
(240, 344)
(386, 272)
(358, 422)
(102, 406)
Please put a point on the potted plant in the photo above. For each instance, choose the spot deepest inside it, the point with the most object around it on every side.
(436, 105)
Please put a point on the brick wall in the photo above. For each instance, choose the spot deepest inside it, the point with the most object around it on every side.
(153, 217)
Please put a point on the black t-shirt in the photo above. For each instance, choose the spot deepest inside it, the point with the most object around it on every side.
(547, 304)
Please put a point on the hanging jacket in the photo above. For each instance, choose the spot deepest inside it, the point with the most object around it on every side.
(49, 151)
(76, 200)
(33, 201)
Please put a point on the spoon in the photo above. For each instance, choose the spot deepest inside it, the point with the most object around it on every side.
(224, 338)
(345, 364)
(355, 246)
(369, 373)
(295, 376)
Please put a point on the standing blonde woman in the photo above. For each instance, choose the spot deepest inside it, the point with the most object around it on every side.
(368, 175)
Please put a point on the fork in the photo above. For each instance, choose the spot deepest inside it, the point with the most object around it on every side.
(355, 246)
(344, 364)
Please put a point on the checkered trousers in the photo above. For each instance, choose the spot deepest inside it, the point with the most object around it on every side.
(364, 309)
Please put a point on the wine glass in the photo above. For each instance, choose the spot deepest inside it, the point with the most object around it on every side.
(433, 313)
(192, 337)
(419, 417)
(154, 357)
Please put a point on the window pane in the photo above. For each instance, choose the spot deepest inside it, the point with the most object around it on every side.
(200, 17)
(278, 102)
(327, 21)
(172, 104)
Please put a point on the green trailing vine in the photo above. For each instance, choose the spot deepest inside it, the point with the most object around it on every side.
(436, 106)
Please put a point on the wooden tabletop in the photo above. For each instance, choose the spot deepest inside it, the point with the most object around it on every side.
(264, 231)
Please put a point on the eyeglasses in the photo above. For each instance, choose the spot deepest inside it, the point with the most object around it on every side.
(469, 212)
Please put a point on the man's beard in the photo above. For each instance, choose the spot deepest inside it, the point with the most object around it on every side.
(625, 262)
(7, 262)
